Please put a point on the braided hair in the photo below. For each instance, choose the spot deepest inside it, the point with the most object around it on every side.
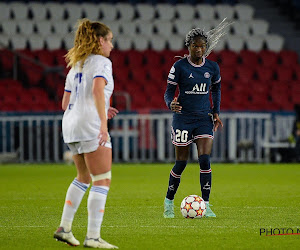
(211, 37)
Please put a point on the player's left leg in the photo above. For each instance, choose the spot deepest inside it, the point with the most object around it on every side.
(204, 146)
(73, 199)
(99, 164)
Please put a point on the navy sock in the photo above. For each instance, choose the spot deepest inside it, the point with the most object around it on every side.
(174, 179)
(205, 176)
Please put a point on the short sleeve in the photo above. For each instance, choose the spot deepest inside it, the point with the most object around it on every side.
(216, 78)
(103, 68)
(68, 83)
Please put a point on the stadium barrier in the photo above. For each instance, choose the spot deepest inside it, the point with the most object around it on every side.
(146, 137)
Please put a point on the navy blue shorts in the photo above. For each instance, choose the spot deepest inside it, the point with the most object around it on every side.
(186, 129)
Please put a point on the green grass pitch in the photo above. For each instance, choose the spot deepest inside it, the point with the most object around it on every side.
(245, 197)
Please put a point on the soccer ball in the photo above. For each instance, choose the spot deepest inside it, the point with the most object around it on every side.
(68, 157)
(193, 206)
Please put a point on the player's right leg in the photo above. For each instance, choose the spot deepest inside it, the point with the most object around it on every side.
(99, 164)
(182, 153)
(73, 199)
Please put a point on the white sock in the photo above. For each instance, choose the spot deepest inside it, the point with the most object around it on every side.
(96, 205)
(74, 196)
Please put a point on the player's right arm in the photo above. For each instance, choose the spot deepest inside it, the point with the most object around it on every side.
(67, 92)
(171, 102)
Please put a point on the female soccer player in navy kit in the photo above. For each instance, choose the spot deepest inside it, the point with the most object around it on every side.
(194, 120)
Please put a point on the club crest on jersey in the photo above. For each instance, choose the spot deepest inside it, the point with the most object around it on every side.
(191, 75)
(206, 75)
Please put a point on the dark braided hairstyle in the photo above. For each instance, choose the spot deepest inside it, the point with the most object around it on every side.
(211, 37)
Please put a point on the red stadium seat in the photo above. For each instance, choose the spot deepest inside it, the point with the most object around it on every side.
(227, 73)
(6, 60)
(288, 58)
(46, 57)
(249, 58)
(245, 73)
(121, 73)
(118, 58)
(268, 58)
(156, 73)
(228, 58)
(284, 73)
(264, 74)
(153, 58)
(213, 56)
(138, 74)
(135, 59)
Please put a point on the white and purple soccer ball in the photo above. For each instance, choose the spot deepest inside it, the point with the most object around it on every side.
(193, 207)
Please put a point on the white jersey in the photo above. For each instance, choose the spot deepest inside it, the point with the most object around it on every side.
(81, 121)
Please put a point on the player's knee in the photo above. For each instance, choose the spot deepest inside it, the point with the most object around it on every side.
(102, 179)
(84, 178)
(179, 167)
(204, 162)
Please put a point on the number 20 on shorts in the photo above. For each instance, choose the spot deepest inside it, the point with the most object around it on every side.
(181, 136)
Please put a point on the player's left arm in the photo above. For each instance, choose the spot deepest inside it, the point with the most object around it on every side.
(216, 97)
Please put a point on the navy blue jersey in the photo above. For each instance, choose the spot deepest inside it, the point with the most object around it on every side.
(195, 83)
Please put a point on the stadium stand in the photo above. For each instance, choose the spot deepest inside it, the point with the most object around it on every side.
(147, 37)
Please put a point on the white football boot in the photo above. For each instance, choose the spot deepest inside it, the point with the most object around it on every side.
(98, 243)
(66, 237)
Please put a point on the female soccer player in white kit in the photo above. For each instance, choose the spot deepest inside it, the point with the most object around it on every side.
(86, 101)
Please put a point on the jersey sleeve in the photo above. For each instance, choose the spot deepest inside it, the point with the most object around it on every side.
(68, 83)
(172, 83)
(216, 90)
(103, 68)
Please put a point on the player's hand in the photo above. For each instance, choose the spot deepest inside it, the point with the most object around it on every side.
(175, 107)
(112, 112)
(103, 135)
(217, 122)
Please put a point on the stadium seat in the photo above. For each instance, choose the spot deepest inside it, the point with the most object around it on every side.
(55, 10)
(19, 10)
(254, 43)
(26, 27)
(138, 75)
(244, 12)
(114, 27)
(227, 73)
(73, 10)
(157, 42)
(145, 27)
(124, 42)
(288, 58)
(38, 11)
(9, 27)
(228, 58)
(268, 58)
(203, 24)
(249, 58)
(126, 11)
(145, 12)
(205, 11)
(284, 74)
(61, 28)
(245, 73)
(4, 40)
(68, 40)
(36, 42)
(182, 28)
(221, 45)
(108, 12)
(165, 11)
(135, 59)
(18, 42)
(176, 42)
(44, 28)
(53, 42)
(45, 56)
(4, 11)
(153, 58)
(163, 28)
(264, 74)
(185, 12)
(6, 60)
(91, 10)
(157, 74)
(128, 28)
(274, 42)
(259, 27)
(224, 11)
(235, 43)
(140, 42)
(241, 28)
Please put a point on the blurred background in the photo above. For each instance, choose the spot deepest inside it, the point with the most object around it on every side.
(259, 62)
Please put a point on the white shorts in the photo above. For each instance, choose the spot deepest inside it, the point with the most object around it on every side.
(86, 146)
